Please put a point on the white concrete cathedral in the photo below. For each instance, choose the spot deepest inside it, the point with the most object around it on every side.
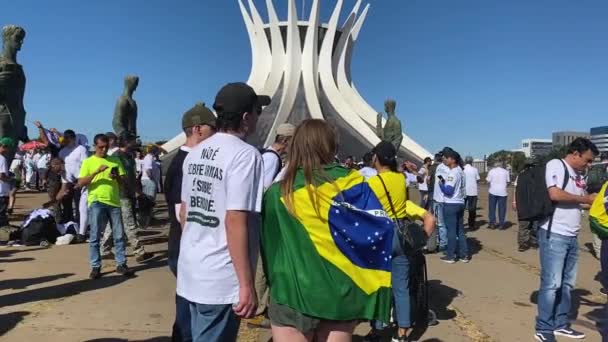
(304, 66)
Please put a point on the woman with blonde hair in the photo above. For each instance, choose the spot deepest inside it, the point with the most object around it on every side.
(326, 244)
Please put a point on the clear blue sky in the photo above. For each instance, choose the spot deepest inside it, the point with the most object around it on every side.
(478, 75)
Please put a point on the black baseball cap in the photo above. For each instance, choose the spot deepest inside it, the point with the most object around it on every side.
(385, 151)
(238, 98)
(445, 150)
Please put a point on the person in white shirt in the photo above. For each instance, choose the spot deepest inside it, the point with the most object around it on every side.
(498, 179)
(42, 165)
(149, 186)
(273, 164)
(441, 171)
(272, 154)
(73, 155)
(453, 188)
(557, 238)
(367, 171)
(113, 148)
(471, 175)
(222, 192)
(6, 145)
(423, 182)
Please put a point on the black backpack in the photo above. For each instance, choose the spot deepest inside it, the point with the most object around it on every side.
(532, 196)
(39, 229)
(432, 171)
(279, 165)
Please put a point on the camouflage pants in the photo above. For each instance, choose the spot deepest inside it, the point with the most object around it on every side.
(526, 236)
(130, 225)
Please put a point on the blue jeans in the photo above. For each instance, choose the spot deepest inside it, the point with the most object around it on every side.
(213, 323)
(604, 263)
(443, 233)
(181, 326)
(558, 262)
(424, 203)
(400, 283)
(501, 202)
(453, 217)
(99, 216)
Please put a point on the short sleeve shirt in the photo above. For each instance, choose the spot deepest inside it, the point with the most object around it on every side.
(103, 189)
(455, 179)
(423, 173)
(5, 187)
(567, 216)
(395, 184)
(147, 166)
(471, 177)
(442, 171)
(73, 157)
(498, 178)
(223, 173)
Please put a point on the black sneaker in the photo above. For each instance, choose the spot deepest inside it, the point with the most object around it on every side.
(396, 338)
(95, 273)
(604, 291)
(144, 257)
(447, 260)
(373, 336)
(571, 333)
(544, 337)
(466, 260)
(491, 226)
(80, 238)
(522, 248)
(124, 270)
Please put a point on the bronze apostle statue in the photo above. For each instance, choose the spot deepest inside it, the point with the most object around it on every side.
(12, 87)
(125, 112)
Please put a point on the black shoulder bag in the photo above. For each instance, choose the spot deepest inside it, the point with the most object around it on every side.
(410, 235)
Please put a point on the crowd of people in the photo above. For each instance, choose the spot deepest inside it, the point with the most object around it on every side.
(288, 237)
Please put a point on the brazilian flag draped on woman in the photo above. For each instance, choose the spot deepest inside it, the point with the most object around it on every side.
(331, 259)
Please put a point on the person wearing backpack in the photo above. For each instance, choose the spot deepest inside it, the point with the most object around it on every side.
(273, 163)
(557, 239)
(526, 235)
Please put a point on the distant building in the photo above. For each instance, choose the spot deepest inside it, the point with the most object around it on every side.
(565, 138)
(599, 136)
(533, 148)
(481, 165)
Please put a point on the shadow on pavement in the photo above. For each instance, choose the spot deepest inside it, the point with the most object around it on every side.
(475, 246)
(578, 299)
(18, 284)
(154, 339)
(75, 287)
(10, 320)
(6, 261)
(9, 251)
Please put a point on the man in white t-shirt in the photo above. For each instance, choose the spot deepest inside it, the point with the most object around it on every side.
(272, 154)
(222, 192)
(441, 172)
(6, 145)
(423, 182)
(113, 148)
(557, 238)
(367, 171)
(471, 175)
(73, 155)
(149, 186)
(498, 178)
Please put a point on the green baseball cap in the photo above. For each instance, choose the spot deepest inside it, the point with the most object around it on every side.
(7, 142)
(198, 115)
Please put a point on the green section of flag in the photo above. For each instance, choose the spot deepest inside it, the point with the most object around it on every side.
(303, 280)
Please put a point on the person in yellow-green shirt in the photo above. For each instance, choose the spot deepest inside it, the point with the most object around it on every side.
(389, 185)
(103, 176)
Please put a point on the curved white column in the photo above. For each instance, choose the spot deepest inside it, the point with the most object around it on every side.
(329, 85)
(278, 52)
(261, 69)
(292, 73)
(310, 63)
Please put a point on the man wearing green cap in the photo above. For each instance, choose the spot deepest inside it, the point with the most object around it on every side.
(6, 146)
(198, 124)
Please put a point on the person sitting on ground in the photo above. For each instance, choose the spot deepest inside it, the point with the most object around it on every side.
(102, 174)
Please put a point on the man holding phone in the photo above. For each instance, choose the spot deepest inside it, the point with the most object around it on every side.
(103, 175)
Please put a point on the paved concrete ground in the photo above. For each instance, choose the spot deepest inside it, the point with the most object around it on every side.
(45, 294)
